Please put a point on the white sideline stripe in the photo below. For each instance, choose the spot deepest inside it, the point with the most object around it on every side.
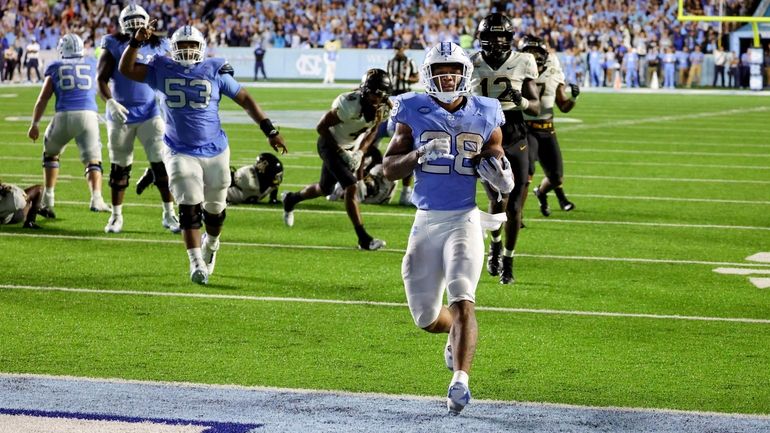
(382, 304)
(667, 142)
(208, 386)
(670, 179)
(411, 215)
(658, 119)
(692, 200)
(391, 250)
(663, 152)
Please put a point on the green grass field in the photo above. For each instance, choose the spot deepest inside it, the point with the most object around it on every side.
(667, 188)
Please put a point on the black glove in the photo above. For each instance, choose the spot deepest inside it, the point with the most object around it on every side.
(511, 95)
(575, 89)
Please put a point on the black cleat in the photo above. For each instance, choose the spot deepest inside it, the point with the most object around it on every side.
(506, 276)
(144, 181)
(46, 212)
(31, 225)
(566, 205)
(543, 199)
(493, 258)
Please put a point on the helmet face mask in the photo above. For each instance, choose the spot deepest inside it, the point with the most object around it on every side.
(446, 63)
(376, 82)
(535, 46)
(132, 18)
(495, 33)
(188, 46)
(70, 46)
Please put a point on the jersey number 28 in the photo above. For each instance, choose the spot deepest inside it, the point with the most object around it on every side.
(466, 145)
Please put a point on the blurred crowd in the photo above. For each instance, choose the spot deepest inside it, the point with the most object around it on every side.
(614, 28)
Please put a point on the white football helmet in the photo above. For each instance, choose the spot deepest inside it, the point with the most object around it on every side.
(70, 46)
(443, 53)
(132, 18)
(188, 56)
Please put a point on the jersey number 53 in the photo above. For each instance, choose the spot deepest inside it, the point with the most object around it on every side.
(176, 97)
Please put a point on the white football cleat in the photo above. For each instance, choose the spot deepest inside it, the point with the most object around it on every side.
(374, 245)
(114, 224)
(405, 199)
(448, 358)
(457, 398)
(98, 205)
(336, 194)
(198, 272)
(171, 222)
(209, 252)
(288, 215)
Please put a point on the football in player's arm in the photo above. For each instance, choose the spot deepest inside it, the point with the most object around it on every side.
(197, 155)
(438, 135)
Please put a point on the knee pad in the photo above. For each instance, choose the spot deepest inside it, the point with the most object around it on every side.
(93, 167)
(190, 216)
(119, 177)
(214, 219)
(159, 173)
(50, 161)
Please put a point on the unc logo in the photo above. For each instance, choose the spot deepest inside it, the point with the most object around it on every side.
(424, 110)
(309, 65)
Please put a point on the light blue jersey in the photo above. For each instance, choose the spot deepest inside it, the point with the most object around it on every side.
(74, 83)
(445, 184)
(192, 95)
(138, 98)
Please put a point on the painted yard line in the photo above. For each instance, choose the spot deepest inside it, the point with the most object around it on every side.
(760, 283)
(722, 167)
(671, 179)
(658, 119)
(391, 250)
(208, 386)
(740, 271)
(411, 215)
(666, 152)
(675, 199)
(762, 257)
(667, 142)
(381, 304)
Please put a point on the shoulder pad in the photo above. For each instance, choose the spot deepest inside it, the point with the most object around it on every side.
(227, 69)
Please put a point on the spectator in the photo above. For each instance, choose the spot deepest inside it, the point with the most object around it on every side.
(696, 62)
(733, 62)
(683, 65)
(720, 59)
(32, 59)
(744, 70)
(669, 68)
(259, 61)
(331, 49)
(9, 58)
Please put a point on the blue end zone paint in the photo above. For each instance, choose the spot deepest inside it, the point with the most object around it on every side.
(212, 426)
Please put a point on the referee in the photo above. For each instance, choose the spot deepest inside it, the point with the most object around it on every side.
(402, 70)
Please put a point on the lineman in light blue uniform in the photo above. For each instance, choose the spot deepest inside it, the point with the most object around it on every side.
(73, 80)
(196, 154)
(437, 136)
(132, 112)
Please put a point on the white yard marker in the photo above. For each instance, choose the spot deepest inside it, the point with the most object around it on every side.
(741, 271)
(761, 283)
(759, 257)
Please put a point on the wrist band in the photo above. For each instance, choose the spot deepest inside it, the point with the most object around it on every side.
(35, 124)
(267, 128)
(524, 104)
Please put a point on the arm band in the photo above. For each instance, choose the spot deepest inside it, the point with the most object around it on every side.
(267, 128)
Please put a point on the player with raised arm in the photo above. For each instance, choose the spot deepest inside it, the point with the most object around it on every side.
(72, 79)
(344, 134)
(132, 112)
(542, 136)
(197, 155)
(510, 77)
(440, 136)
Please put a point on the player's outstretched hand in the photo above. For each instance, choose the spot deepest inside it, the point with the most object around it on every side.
(434, 149)
(277, 143)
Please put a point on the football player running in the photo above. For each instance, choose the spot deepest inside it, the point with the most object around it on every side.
(196, 154)
(438, 137)
(251, 183)
(132, 113)
(510, 77)
(341, 149)
(72, 79)
(542, 136)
